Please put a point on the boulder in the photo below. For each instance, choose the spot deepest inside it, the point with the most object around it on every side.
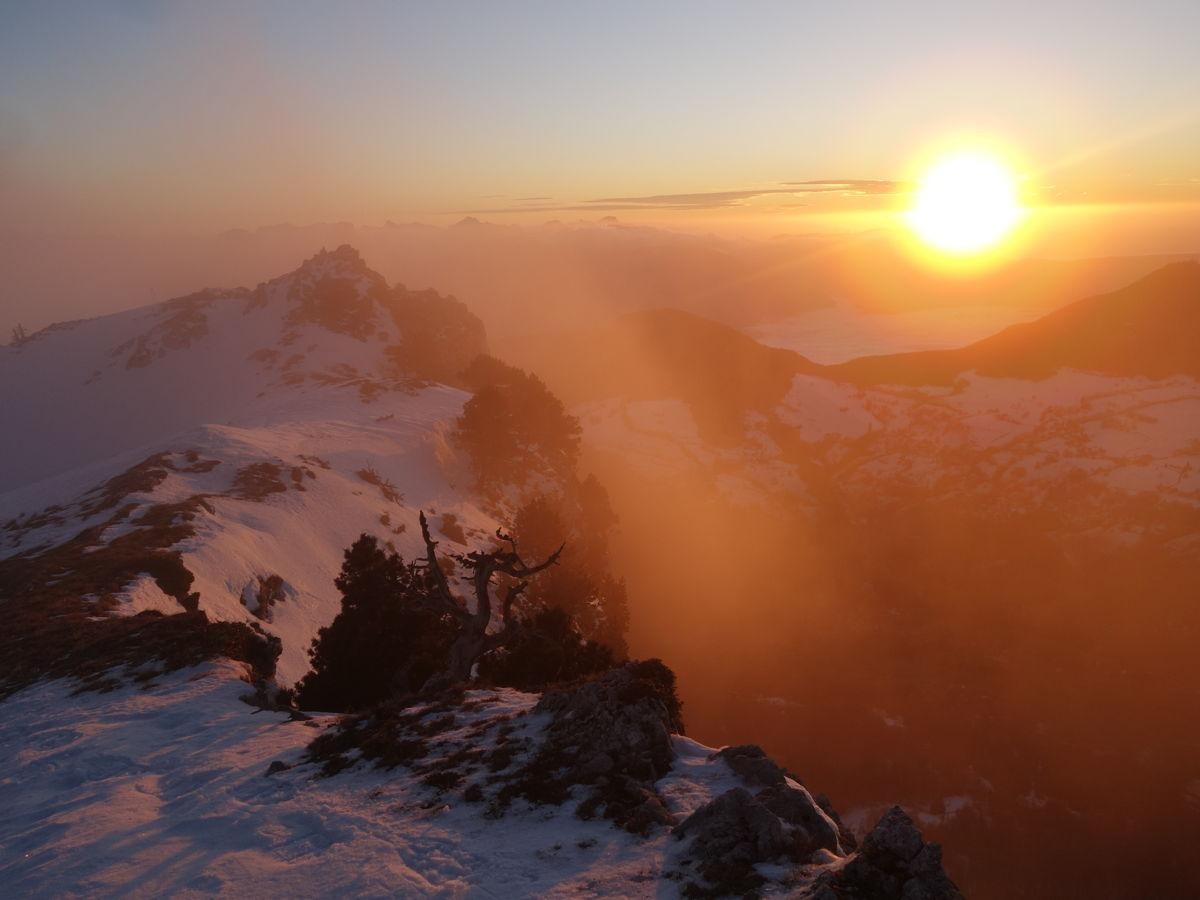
(729, 836)
(894, 863)
(608, 741)
(893, 842)
(752, 764)
(620, 721)
(797, 807)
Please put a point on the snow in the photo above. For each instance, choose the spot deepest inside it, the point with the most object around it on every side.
(818, 408)
(660, 438)
(162, 791)
(220, 382)
(144, 594)
(297, 534)
(694, 779)
(1002, 441)
(92, 393)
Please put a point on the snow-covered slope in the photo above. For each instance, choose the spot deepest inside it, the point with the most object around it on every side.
(180, 789)
(254, 433)
(79, 392)
(164, 792)
(279, 498)
(1002, 436)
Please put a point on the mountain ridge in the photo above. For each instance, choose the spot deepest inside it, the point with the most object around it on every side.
(1111, 334)
(216, 356)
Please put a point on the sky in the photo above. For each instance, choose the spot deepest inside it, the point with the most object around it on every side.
(196, 117)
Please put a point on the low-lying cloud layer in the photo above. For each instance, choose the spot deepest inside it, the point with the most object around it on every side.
(701, 200)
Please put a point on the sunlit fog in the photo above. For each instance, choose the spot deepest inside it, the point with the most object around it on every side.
(636, 450)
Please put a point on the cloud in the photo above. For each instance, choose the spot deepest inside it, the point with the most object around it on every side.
(852, 186)
(701, 200)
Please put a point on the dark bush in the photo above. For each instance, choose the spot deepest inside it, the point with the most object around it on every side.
(383, 642)
(582, 584)
(545, 651)
(514, 426)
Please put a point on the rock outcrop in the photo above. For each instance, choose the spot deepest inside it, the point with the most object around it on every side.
(607, 745)
(731, 836)
(613, 736)
(894, 862)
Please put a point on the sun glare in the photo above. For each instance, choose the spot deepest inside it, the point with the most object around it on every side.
(965, 203)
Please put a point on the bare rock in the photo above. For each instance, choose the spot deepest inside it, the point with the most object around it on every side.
(622, 720)
(894, 841)
(895, 863)
(609, 740)
(752, 764)
(730, 835)
(797, 807)
(845, 835)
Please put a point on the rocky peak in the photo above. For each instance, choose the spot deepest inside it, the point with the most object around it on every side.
(344, 260)
(336, 291)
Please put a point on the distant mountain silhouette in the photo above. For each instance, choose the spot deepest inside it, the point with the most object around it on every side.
(560, 276)
(1150, 328)
(662, 353)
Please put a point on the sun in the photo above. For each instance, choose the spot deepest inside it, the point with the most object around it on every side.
(965, 203)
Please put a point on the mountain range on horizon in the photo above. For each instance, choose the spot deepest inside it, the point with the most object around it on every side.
(554, 276)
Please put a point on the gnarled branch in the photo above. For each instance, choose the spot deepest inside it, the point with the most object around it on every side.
(452, 603)
(473, 640)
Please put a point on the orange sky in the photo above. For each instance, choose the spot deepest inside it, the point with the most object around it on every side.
(767, 117)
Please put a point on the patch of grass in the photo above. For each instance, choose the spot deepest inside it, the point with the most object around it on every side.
(257, 481)
(54, 600)
(451, 529)
(386, 487)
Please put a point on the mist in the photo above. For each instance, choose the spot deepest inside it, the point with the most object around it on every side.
(996, 644)
(524, 278)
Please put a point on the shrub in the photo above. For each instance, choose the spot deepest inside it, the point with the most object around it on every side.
(514, 425)
(547, 650)
(582, 584)
(384, 641)
(399, 626)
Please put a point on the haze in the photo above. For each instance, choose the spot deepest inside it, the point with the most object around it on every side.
(902, 452)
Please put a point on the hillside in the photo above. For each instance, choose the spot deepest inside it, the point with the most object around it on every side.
(78, 392)
(228, 440)
(1150, 328)
(170, 528)
(177, 788)
(665, 353)
(975, 543)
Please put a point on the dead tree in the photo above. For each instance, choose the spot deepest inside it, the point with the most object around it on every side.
(474, 638)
